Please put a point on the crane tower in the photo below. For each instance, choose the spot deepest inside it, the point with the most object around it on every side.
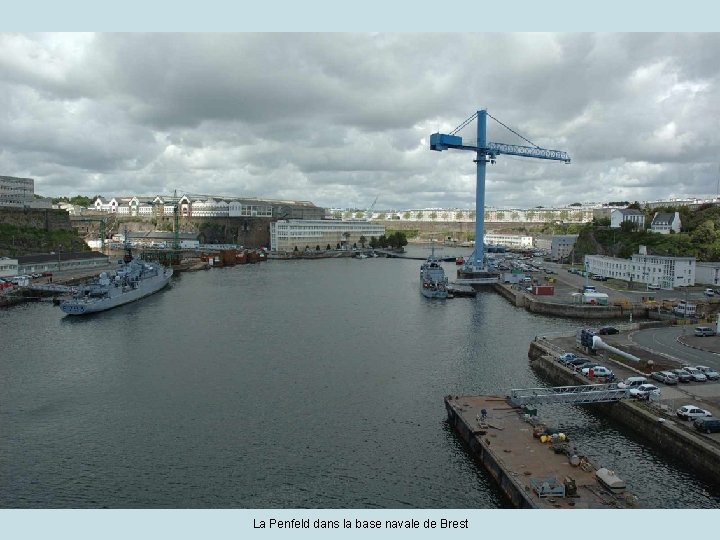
(476, 269)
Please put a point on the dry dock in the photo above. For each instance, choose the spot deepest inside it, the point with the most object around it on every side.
(530, 473)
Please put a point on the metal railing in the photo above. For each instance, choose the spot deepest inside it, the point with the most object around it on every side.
(575, 395)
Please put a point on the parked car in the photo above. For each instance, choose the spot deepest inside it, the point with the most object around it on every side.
(702, 331)
(695, 374)
(564, 358)
(585, 365)
(644, 391)
(598, 371)
(666, 377)
(689, 412)
(608, 330)
(709, 373)
(632, 382)
(572, 364)
(707, 425)
(653, 287)
(681, 374)
(709, 292)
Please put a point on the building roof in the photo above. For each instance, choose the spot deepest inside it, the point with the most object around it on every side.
(663, 218)
(630, 212)
(63, 256)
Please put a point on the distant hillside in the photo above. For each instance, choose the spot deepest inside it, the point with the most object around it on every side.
(700, 238)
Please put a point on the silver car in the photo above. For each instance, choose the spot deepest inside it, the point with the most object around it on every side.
(709, 372)
(695, 374)
(666, 377)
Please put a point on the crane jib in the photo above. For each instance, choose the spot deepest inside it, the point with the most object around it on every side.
(441, 141)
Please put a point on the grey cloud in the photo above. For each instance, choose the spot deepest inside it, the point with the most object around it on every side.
(342, 118)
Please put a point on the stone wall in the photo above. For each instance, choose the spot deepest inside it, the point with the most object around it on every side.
(45, 219)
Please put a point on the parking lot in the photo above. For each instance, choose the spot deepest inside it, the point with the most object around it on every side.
(705, 395)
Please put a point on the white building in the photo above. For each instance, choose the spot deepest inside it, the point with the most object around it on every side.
(665, 272)
(190, 206)
(570, 214)
(559, 246)
(664, 222)
(8, 267)
(618, 216)
(707, 273)
(286, 235)
(509, 240)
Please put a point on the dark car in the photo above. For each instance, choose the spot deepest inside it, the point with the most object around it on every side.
(608, 330)
(707, 425)
(577, 362)
(682, 375)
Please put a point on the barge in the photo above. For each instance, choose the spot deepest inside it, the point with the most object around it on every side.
(534, 467)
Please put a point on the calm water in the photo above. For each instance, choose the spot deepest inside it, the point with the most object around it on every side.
(308, 384)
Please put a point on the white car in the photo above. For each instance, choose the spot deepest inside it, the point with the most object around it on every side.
(644, 391)
(690, 412)
(598, 371)
(709, 373)
(695, 374)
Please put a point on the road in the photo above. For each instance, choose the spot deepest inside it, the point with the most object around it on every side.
(664, 341)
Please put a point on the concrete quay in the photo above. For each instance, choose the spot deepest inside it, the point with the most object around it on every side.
(504, 443)
(549, 305)
(655, 422)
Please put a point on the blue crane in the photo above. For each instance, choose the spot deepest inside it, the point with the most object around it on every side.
(487, 152)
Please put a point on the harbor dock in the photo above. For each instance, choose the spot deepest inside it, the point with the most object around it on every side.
(530, 473)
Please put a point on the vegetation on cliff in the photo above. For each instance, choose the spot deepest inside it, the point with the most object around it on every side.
(15, 240)
(700, 237)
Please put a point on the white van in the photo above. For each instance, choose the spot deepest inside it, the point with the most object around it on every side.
(683, 308)
(702, 331)
(632, 382)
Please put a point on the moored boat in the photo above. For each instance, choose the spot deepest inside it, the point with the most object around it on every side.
(433, 283)
(131, 281)
(610, 481)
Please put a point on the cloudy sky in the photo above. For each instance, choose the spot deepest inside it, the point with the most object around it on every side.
(342, 118)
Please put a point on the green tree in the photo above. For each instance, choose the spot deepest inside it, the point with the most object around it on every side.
(628, 226)
(705, 233)
(363, 240)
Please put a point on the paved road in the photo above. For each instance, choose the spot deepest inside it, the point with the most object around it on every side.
(664, 341)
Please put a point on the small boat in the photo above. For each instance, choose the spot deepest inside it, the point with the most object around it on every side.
(610, 481)
(433, 283)
(459, 260)
(131, 281)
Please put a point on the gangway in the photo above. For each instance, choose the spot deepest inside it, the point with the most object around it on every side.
(51, 287)
(575, 395)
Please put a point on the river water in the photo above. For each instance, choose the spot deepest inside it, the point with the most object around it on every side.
(287, 384)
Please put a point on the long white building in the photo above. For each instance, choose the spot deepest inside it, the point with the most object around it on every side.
(189, 206)
(286, 235)
(509, 240)
(665, 272)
